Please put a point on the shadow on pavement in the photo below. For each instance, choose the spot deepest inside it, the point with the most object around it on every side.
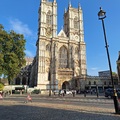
(30, 112)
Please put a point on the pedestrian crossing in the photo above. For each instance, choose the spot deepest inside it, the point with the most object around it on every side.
(96, 100)
(68, 98)
(92, 100)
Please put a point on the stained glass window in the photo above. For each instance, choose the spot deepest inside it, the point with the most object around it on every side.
(63, 57)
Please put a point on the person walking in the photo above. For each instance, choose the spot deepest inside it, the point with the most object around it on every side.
(85, 93)
(73, 92)
(1, 97)
(29, 98)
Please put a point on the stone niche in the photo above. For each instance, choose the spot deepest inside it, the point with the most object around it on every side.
(65, 74)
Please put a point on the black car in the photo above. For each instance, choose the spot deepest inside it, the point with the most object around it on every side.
(109, 93)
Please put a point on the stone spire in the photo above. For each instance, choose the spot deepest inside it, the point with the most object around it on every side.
(79, 6)
(65, 10)
(119, 56)
(69, 3)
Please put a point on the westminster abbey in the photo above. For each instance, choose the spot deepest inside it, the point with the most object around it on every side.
(60, 59)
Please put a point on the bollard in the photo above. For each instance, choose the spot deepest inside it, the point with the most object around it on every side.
(85, 93)
(117, 104)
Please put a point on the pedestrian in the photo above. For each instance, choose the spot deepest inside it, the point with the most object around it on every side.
(1, 97)
(29, 98)
(91, 91)
(63, 93)
(85, 93)
(73, 92)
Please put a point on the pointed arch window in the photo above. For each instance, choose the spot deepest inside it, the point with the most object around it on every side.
(89, 82)
(76, 24)
(76, 50)
(63, 57)
(94, 82)
(24, 81)
(17, 81)
(48, 47)
(49, 18)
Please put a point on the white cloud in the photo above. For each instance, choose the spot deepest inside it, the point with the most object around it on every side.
(93, 71)
(94, 68)
(29, 53)
(20, 27)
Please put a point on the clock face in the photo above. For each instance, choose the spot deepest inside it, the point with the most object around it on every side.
(76, 37)
(48, 31)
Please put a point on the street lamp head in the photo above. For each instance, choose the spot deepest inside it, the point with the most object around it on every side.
(101, 14)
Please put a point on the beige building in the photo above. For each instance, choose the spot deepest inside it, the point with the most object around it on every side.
(29, 60)
(61, 57)
(118, 68)
(101, 82)
(23, 77)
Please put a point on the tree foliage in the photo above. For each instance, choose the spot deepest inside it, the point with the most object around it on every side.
(12, 55)
(1, 86)
(114, 74)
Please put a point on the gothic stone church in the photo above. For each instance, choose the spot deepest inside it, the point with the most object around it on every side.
(60, 58)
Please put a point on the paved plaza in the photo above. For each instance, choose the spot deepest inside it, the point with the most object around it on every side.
(57, 108)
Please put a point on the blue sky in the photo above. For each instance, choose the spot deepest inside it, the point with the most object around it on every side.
(22, 17)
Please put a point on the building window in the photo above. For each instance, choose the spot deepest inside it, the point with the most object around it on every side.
(49, 18)
(17, 81)
(76, 85)
(105, 83)
(63, 57)
(76, 25)
(109, 83)
(115, 83)
(24, 81)
(94, 82)
(89, 83)
(77, 51)
(48, 47)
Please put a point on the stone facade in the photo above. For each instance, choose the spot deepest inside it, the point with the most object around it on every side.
(118, 68)
(23, 78)
(101, 82)
(60, 57)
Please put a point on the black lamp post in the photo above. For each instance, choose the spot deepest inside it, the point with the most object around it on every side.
(97, 91)
(101, 16)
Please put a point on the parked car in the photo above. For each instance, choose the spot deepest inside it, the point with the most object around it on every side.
(56, 92)
(68, 92)
(61, 92)
(109, 93)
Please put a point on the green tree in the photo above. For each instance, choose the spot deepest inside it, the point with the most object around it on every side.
(2, 36)
(1, 86)
(114, 74)
(12, 55)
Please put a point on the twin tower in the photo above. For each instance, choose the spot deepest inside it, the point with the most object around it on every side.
(61, 57)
